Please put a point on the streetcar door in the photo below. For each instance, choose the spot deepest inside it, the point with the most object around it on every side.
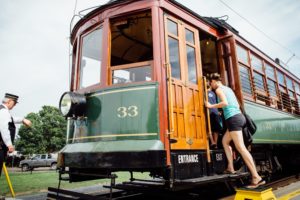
(228, 64)
(186, 110)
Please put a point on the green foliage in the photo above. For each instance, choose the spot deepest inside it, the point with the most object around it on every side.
(47, 133)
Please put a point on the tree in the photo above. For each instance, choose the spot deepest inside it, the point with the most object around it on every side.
(47, 133)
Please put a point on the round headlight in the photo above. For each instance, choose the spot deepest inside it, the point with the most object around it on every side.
(72, 104)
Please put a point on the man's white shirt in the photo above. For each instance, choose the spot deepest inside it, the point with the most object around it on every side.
(5, 118)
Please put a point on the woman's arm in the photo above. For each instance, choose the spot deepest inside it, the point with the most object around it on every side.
(222, 98)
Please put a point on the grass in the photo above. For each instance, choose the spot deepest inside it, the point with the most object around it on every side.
(27, 183)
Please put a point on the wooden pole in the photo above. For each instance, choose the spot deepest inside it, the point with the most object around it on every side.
(207, 119)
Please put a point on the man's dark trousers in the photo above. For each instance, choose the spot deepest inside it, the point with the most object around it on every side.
(2, 158)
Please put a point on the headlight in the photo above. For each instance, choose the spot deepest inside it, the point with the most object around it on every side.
(72, 104)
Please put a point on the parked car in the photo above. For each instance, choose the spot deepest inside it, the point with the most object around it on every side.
(40, 160)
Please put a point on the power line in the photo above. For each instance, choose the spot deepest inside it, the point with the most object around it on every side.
(75, 7)
(262, 32)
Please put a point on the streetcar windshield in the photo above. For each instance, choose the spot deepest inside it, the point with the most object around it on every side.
(131, 48)
(90, 61)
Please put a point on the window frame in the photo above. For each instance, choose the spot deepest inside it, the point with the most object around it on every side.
(194, 46)
(258, 92)
(247, 52)
(247, 95)
(182, 47)
(79, 50)
(247, 65)
(269, 65)
(261, 62)
(129, 66)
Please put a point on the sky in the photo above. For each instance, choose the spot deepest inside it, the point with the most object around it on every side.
(34, 41)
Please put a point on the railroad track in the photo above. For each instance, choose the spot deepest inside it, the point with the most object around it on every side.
(120, 194)
(61, 194)
(283, 181)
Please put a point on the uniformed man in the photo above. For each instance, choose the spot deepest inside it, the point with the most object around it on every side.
(7, 126)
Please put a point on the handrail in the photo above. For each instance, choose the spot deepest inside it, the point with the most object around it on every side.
(170, 104)
(207, 118)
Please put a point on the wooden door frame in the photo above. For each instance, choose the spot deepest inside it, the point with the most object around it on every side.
(233, 68)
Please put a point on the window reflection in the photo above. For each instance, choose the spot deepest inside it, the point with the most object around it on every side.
(272, 88)
(189, 36)
(172, 27)
(256, 63)
(280, 77)
(132, 75)
(282, 89)
(91, 56)
(259, 81)
(297, 88)
(270, 72)
(191, 64)
(242, 54)
(245, 79)
(289, 83)
(174, 57)
(291, 94)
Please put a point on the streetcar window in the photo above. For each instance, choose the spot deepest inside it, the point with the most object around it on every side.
(172, 27)
(289, 83)
(291, 94)
(282, 89)
(242, 54)
(297, 88)
(174, 57)
(131, 39)
(132, 75)
(245, 79)
(259, 82)
(272, 88)
(256, 63)
(91, 56)
(191, 61)
(270, 71)
(73, 77)
(280, 77)
(189, 36)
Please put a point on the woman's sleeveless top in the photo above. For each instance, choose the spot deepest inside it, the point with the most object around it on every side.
(233, 107)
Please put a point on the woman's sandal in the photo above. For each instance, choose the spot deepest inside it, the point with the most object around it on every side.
(229, 172)
(259, 183)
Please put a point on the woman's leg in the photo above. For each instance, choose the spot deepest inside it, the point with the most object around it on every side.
(215, 136)
(228, 151)
(211, 139)
(237, 137)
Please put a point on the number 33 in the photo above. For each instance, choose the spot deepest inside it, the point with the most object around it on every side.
(131, 111)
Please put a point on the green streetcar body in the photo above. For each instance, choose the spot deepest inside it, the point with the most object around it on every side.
(107, 129)
(273, 126)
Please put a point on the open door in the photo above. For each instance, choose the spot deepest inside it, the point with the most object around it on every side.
(229, 68)
(185, 95)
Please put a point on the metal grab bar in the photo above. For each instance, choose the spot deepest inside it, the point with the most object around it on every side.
(207, 119)
(170, 103)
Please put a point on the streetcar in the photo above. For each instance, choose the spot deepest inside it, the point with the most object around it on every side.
(136, 100)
